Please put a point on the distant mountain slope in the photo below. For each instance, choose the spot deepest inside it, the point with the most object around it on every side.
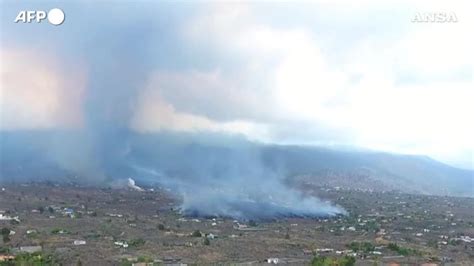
(418, 174)
(50, 155)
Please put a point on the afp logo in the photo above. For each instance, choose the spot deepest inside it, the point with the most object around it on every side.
(55, 16)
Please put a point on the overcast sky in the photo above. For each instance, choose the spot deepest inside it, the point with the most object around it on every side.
(362, 75)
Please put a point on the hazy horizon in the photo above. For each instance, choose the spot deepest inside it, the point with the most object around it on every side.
(323, 74)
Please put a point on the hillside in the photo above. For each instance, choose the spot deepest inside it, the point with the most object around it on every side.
(210, 159)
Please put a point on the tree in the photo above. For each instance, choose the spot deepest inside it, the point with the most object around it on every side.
(197, 233)
(5, 231)
(332, 261)
(136, 242)
(5, 234)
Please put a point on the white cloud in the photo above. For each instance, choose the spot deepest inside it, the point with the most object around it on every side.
(324, 73)
(154, 114)
(36, 93)
(406, 91)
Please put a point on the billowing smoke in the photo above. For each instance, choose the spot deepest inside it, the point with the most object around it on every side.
(226, 179)
(213, 173)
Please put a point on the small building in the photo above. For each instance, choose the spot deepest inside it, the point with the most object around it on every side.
(68, 212)
(4, 217)
(31, 231)
(273, 260)
(30, 249)
(121, 244)
(211, 236)
(324, 250)
(79, 242)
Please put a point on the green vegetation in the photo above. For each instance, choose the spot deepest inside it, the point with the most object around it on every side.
(252, 223)
(402, 250)
(136, 242)
(365, 247)
(197, 233)
(93, 235)
(37, 258)
(333, 261)
(207, 242)
(125, 262)
(161, 227)
(432, 243)
(33, 235)
(5, 234)
(454, 242)
(144, 259)
(59, 231)
(371, 226)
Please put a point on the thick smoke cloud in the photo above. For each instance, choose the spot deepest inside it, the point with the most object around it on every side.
(128, 80)
(224, 178)
(212, 175)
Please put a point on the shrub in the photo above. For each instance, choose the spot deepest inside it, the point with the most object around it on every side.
(402, 250)
(5, 234)
(56, 231)
(5, 231)
(197, 233)
(361, 246)
(144, 259)
(136, 242)
(333, 261)
(36, 258)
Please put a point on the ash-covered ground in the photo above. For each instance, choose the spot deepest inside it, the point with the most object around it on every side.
(71, 224)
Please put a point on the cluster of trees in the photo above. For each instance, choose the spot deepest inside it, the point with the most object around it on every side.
(197, 233)
(56, 231)
(333, 261)
(37, 258)
(365, 247)
(136, 242)
(5, 234)
(402, 250)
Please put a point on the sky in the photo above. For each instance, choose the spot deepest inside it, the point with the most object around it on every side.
(313, 73)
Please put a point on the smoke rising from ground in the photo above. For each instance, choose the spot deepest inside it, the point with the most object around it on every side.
(227, 179)
(119, 124)
(213, 175)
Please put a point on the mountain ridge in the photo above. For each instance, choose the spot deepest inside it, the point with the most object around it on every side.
(50, 155)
